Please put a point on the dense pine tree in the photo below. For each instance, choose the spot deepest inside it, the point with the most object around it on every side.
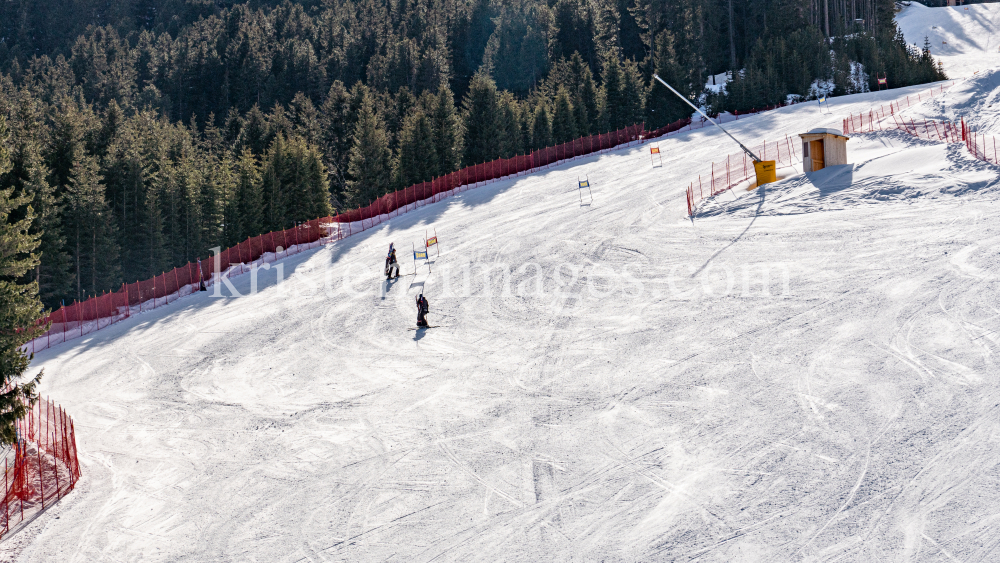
(370, 167)
(662, 106)
(19, 304)
(563, 124)
(481, 117)
(90, 229)
(510, 141)
(249, 204)
(418, 160)
(541, 130)
(447, 132)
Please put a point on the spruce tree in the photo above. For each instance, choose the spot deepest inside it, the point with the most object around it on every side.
(589, 100)
(662, 105)
(541, 131)
(582, 88)
(563, 126)
(90, 231)
(225, 186)
(52, 272)
(29, 176)
(418, 160)
(249, 215)
(255, 134)
(516, 55)
(447, 132)
(509, 143)
(524, 126)
(336, 127)
(612, 96)
(273, 173)
(481, 117)
(370, 166)
(304, 189)
(633, 95)
(19, 304)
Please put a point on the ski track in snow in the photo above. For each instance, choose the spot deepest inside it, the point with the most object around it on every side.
(850, 415)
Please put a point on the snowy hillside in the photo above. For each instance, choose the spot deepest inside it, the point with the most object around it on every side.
(963, 38)
(976, 100)
(805, 372)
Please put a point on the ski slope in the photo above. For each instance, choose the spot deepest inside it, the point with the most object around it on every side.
(805, 372)
(963, 38)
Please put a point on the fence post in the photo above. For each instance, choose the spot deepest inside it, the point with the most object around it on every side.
(72, 479)
(56, 467)
(41, 481)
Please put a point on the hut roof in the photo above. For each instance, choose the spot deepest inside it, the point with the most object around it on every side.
(826, 131)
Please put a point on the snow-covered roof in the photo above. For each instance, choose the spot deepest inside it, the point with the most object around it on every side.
(827, 131)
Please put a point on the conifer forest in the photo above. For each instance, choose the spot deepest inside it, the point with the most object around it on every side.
(141, 134)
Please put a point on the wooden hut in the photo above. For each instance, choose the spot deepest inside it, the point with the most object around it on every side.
(822, 148)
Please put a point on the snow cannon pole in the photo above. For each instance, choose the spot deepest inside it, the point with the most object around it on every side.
(688, 102)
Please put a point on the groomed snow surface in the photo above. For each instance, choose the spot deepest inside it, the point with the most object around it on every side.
(804, 372)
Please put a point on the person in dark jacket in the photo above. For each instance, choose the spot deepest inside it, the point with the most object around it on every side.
(422, 309)
(391, 264)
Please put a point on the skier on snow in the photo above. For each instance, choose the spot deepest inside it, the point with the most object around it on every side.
(391, 264)
(422, 309)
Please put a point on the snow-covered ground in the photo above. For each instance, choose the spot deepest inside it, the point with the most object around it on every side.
(963, 38)
(805, 372)
(975, 99)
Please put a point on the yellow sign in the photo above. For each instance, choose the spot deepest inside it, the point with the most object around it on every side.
(654, 150)
(432, 241)
(584, 184)
(420, 255)
(766, 172)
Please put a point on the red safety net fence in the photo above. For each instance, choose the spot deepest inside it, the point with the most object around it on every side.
(979, 145)
(737, 168)
(41, 467)
(927, 129)
(982, 147)
(872, 120)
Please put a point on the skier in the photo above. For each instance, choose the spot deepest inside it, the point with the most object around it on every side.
(422, 310)
(391, 264)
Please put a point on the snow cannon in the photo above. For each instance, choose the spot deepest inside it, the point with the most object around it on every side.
(822, 148)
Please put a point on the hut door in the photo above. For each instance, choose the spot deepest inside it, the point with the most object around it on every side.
(816, 154)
